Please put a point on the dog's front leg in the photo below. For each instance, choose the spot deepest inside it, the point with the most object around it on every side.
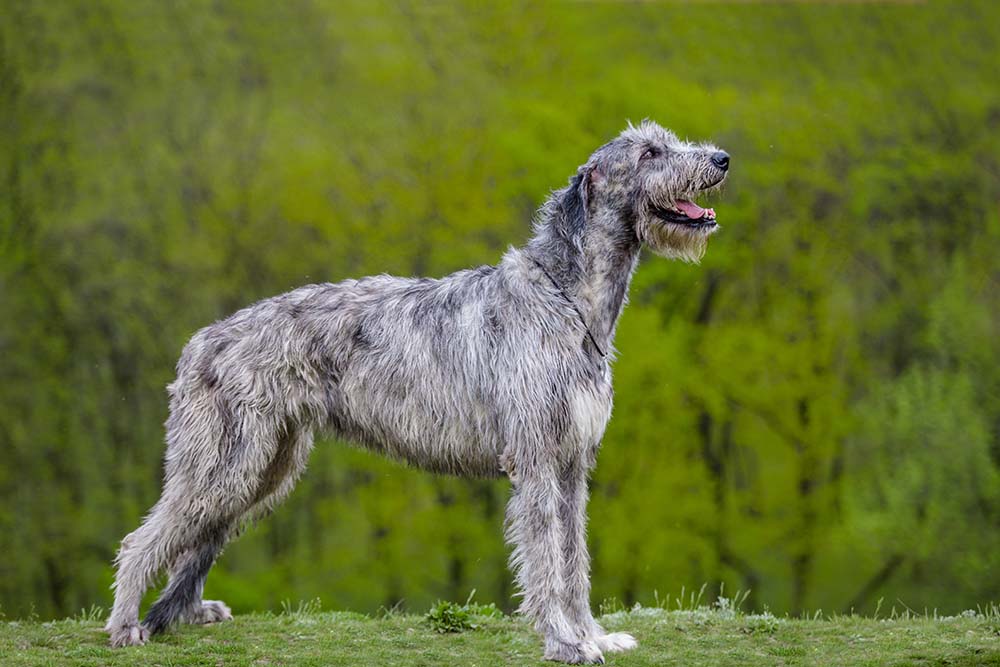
(534, 529)
(576, 562)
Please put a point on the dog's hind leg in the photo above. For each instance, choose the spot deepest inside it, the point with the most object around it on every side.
(181, 599)
(281, 474)
(217, 454)
(144, 552)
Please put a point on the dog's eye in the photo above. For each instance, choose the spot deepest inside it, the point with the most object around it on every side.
(650, 153)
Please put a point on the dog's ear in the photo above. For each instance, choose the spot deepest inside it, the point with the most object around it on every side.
(576, 201)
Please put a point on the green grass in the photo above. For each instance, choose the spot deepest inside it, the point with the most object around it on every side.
(717, 636)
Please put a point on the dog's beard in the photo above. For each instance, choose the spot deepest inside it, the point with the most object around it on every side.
(673, 241)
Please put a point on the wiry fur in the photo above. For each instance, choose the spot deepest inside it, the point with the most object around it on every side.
(485, 372)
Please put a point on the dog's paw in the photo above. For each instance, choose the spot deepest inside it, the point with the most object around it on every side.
(129, 634)
(215, 611)
(576, 653)
(209, 611)
(616, 641)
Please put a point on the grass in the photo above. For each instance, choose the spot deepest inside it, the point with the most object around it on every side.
(447, 617)
(471, 634)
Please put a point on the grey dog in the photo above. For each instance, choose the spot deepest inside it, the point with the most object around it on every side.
(499, 370)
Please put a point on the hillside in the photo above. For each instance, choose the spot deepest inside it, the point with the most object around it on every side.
(716, 636)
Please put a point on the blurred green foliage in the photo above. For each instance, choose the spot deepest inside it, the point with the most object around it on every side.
(813, 414)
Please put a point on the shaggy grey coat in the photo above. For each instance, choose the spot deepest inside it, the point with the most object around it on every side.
(499, 370)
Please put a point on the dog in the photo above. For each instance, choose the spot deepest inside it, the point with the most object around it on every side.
(498, 370)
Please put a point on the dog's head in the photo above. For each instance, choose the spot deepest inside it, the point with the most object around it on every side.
(649, 179)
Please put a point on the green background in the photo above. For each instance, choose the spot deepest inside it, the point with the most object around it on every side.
(812, 414)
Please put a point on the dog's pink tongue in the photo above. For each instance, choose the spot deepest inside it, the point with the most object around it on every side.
(690, 209)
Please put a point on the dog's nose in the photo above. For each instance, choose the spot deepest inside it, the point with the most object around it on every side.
(721, 160)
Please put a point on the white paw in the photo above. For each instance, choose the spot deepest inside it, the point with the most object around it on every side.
(216, 610)
(616, 641)
(130, 634)
(210, 611)
(578, 653)
(591, 653)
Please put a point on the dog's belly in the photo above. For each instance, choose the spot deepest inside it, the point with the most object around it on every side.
(441, 433)
(469, 456)
(472, 459)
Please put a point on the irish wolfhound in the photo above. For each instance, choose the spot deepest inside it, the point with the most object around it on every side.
(500, 370)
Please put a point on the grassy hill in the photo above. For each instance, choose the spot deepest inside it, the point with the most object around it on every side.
(719, 635)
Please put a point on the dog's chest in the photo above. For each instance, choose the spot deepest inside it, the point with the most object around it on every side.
(590, 410)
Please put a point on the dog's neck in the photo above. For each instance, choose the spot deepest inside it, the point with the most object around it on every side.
(594, 268)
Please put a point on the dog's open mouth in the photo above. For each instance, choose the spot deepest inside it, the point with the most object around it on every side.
(687, 213)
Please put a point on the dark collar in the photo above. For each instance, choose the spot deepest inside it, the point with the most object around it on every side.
(573, 304)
